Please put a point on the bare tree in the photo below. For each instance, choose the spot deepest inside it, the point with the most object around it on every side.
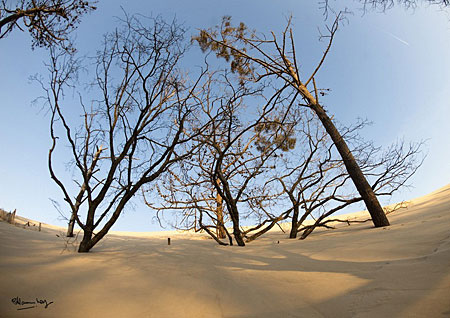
(132, 132)
(232, 163)
(48, 21)
(255, 57)
(319, 185)
(384, 5)
(389, 170)
(188, 186)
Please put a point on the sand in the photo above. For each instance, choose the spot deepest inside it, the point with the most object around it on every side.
(353, 271)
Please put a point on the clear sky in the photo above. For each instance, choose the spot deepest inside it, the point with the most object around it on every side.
(391, 68)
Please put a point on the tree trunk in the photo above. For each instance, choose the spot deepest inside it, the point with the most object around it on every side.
(306, 232)
(86, 243)
(294, 224)
(220, 226)
(71, 226)
(238, 237)
(236, 230)
(379, 218)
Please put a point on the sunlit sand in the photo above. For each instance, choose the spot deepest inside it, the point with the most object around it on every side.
(352, 271)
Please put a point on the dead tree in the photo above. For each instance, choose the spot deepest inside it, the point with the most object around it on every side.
(256, 57)
(319, 186)
(389, 171)
(229, 163)
(49, 22)
(384, 5)
(187, 189)
(133, 130)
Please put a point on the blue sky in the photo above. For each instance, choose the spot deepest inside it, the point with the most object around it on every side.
(391, 68)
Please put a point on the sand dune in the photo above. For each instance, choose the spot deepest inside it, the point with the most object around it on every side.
(353, 271)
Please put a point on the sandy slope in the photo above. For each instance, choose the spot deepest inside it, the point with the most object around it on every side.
(356, 271)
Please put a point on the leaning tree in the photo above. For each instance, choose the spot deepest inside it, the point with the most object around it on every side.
(318, 186)
(254, 57)
(131, 130)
